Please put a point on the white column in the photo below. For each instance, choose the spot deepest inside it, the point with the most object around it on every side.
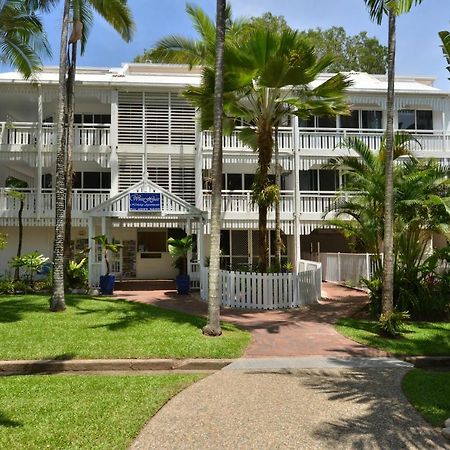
(189, 255)
(198, 164)
(104, 232)
(114, 142)
(297, 212)
(91, 243)
(39, 142)
(201, 243)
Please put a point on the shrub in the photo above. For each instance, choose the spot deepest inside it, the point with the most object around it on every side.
(7, 286)
(77, 274)
(392, 324)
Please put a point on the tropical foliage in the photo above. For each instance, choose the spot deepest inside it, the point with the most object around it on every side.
(179, 249)
(107, 247)
(421, 208)
(22, 37)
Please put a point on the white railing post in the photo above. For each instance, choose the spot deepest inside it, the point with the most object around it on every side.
(339, 265)
(368, 266)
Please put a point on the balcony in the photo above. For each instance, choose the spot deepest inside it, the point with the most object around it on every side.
(18, 142)
(239, 205)
(233, 143)
(81, 201)
(325, 141)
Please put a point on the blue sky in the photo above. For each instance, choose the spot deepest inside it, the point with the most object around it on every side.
(418, 51)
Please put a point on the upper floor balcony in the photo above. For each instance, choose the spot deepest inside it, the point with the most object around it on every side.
(329, 141)
(43, 205)
(233, 143)
(19, 142)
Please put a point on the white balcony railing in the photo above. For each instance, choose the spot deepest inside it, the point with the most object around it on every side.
(240, 202)
(81, 201)
(320, 139)
(232, 142)
(26, 134)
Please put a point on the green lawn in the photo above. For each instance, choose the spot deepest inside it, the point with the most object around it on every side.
(107, 328)
(419, 338)
(429, 393)
(81, 412)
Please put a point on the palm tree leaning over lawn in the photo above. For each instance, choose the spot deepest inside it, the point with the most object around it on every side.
(377, 9)
(212, 328)
(118, 15)
(267, 78)
(22, 36)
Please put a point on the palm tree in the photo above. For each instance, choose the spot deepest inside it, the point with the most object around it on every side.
(268, 77)
(117, 14)
(445, 38)
(378, 9)
(58, 302)
(212, 328)
(22, 37)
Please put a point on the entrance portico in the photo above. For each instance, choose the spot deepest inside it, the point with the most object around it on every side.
(141, 218)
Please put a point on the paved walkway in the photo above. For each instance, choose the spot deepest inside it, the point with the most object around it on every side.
(361, 408)
(300, 332)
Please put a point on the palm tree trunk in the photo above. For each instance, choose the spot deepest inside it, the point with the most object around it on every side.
(19, 246)
(212, 327)
(388, 263)
(70, 92)
(58, 301)
(278, 241)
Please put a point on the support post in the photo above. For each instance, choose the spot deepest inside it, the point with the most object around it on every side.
(189, 255)
(104, 231)
(39, 142)
(339, 265)
(368, 266)
(198, 164)
(91, 235)
(297, 212)
(200, 244)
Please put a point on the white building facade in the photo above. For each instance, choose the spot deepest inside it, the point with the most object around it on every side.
(135, 134)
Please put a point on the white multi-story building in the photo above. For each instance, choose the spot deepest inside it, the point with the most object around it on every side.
(134, 133)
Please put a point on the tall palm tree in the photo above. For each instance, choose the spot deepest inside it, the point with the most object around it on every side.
(378, 9)
(268, 77)
(22, 37)
(118, 15)
(445, 38)
(212, 327)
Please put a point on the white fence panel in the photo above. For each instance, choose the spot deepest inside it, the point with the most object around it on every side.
(347, 267)
(249, 290)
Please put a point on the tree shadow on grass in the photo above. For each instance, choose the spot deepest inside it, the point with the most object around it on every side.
(374, 413)
(7, 422)
(122, 314)
(13, 308)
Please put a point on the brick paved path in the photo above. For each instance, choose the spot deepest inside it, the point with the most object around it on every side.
(300, 332)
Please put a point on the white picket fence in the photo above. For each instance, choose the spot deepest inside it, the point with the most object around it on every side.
(249, 290)
(347, 267)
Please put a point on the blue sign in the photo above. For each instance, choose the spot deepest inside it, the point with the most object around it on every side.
(145, 201)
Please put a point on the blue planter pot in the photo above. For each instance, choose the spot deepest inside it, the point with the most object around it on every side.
(183, 284)
(107, 284)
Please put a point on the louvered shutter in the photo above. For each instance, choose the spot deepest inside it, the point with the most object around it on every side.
(131, 115)
(182, 121)
(130, 169)
(157, 117)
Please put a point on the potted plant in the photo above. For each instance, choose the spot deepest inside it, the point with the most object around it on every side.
(107, 281)
(179, 249)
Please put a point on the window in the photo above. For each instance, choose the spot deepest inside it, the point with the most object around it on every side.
(248, 181)
(351, 121)
(234, 181)
(98, 119)
(92, 180)
(319, 180)
(152, 241)
(308, 180)
(411, 119)
(372, 120)
(328, 180)
(326, 122)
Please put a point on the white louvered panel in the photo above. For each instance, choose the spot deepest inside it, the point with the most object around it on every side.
(157, 117)
(183, 177)
(131, 117)
(130, 169)
(182, 121)
(158, 170)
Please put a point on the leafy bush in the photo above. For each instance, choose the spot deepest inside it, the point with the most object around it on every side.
(7, 286)
(392, 324)
(32, 262)
(77, 274)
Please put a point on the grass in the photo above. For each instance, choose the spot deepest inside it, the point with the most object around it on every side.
(81, 412)
(419, 338)
(429, 393)
(107, 328)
